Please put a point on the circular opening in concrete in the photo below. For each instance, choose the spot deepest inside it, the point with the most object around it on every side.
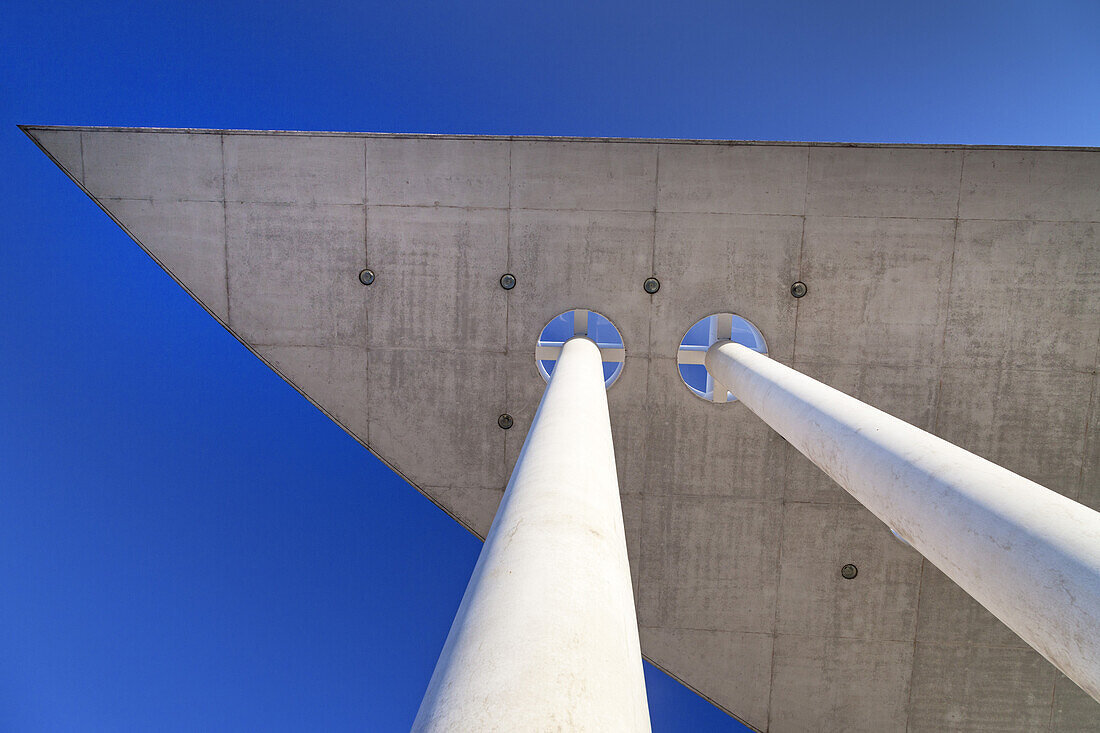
(581, 322)
(699, 338)
(849, 571)
(366, 276)
(507, 281)
(651, 285)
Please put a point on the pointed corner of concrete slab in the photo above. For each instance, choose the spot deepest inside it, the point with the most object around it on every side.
(62, 145)
(186, 253)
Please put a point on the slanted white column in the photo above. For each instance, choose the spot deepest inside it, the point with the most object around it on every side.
(1026, 553)
(546, 636)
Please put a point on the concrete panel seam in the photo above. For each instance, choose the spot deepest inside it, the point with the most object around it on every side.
(778, 584)
(1090, 419)
(391, 349)
(366, 308)
(962, 172)
(653, 256)
(507, 301)
(798, 301)
(947, 365)
(913, 664)
(938, 644)
(366, 173)
(946, 317)
(723, 497)
(308, 204)
(154, 200)
(1053, 696)
(225, 237)
(608, 211)
(709, 631)
(801, 248)
(786, 454)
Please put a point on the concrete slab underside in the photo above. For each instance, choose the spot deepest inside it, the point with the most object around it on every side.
(955, 287)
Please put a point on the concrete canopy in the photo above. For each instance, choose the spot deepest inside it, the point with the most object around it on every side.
(957, 288)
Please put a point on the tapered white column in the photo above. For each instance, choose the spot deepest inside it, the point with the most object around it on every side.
(1026, 553)
(546, 636)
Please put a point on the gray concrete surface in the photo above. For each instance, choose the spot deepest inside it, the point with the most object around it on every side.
(955, 287)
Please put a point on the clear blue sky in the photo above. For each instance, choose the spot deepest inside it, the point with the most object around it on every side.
(185, 543)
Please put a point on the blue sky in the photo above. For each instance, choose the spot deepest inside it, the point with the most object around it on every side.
(185, 543)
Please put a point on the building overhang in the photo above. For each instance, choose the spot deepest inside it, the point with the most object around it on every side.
(955, 287)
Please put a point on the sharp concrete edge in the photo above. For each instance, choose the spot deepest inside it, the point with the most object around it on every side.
(555, 138)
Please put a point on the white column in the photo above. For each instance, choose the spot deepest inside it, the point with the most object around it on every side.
(1026, 553)
(546, 636)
